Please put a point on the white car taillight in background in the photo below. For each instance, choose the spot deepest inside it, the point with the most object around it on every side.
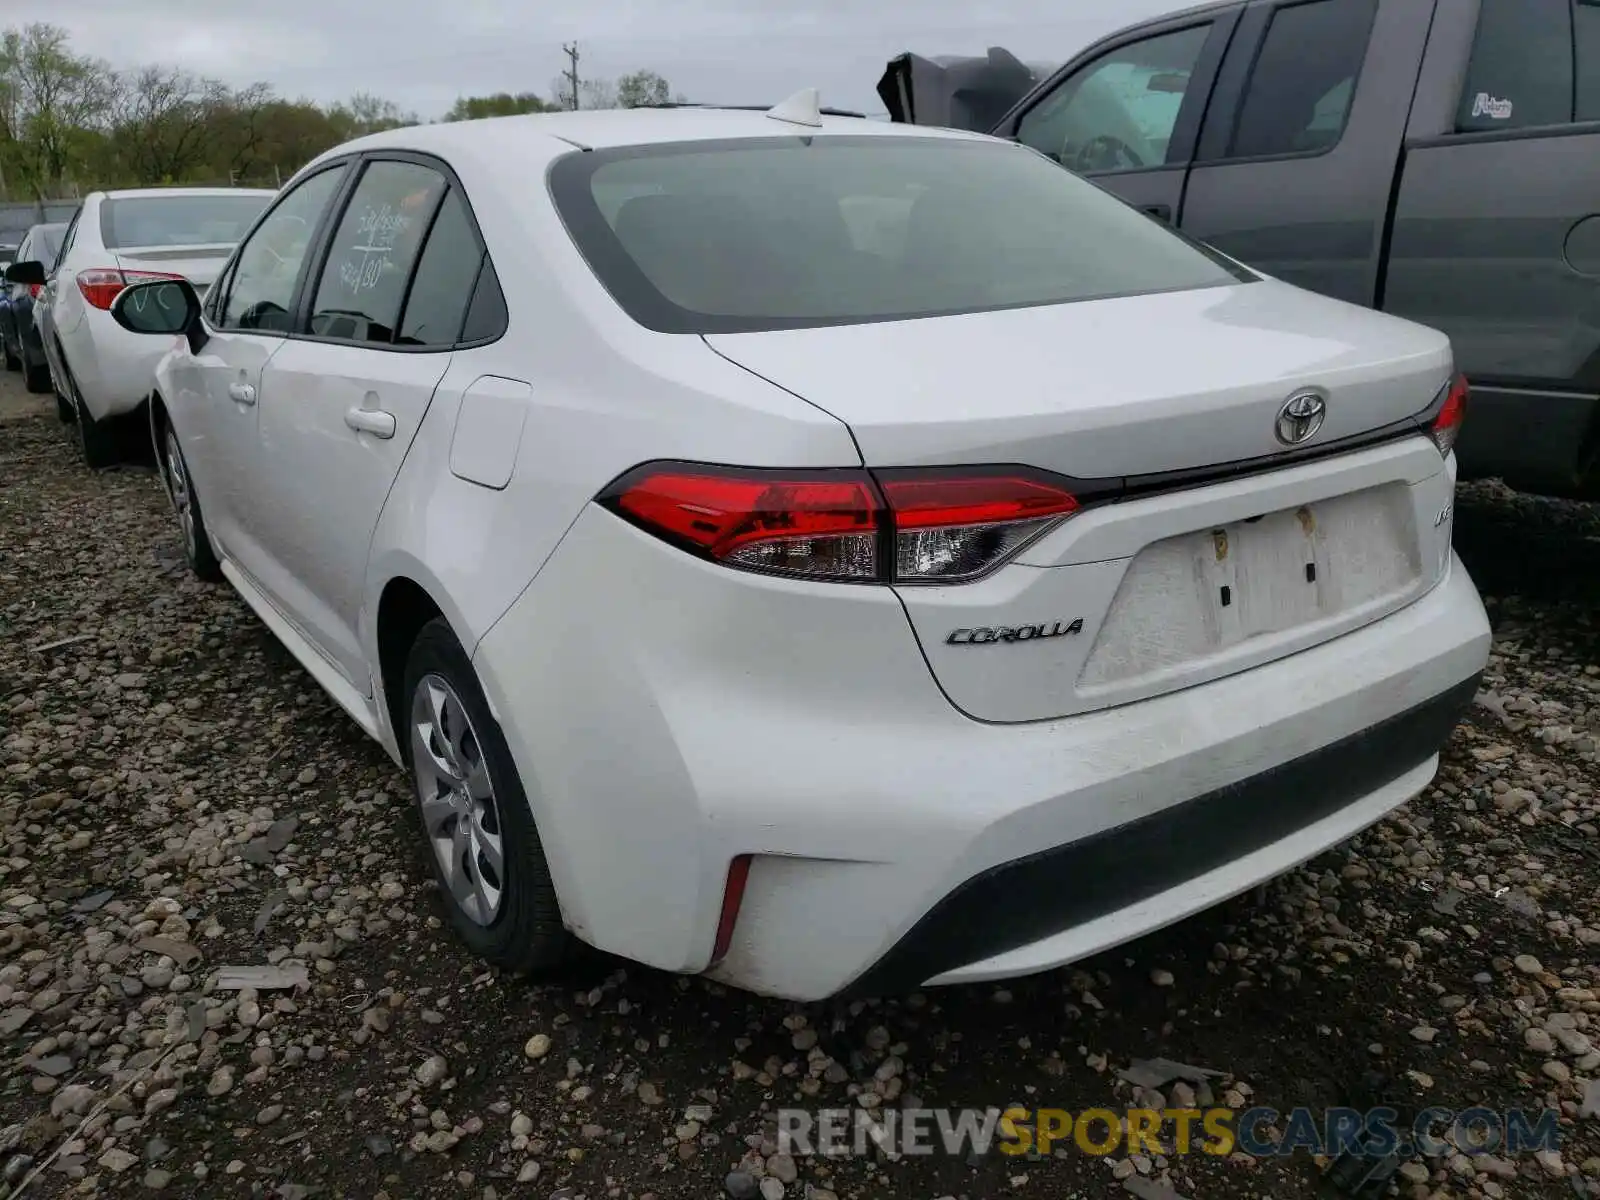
(102, 285)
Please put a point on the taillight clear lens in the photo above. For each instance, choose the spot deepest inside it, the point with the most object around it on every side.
(1447, 425)
(102, 285)
(955, 528)
(942, 526)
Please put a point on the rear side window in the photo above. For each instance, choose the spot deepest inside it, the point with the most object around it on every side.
(788, 232)
(446, 272)
(369, 262)
(140, 221)
(1298, 97)
(487, 317)
(1521, 70)
(1586, 19)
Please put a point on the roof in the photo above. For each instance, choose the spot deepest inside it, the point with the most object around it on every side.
(595, 129)
(130, 193)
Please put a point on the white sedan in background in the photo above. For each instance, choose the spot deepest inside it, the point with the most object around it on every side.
(102, 372)
(826, 555)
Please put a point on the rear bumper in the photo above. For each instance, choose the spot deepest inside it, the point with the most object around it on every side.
(113, 367)
(665, 719)
(1545, 442)
(1234, 834)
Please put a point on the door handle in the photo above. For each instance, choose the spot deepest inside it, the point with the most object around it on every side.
(370, 420)
(244, 393)
(1161, 212)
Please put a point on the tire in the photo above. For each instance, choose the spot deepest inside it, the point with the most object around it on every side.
(36, 376)
(186, 506)
(98, 444)
(516, 927)
(64, 410)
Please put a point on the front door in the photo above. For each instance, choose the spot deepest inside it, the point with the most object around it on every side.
(220, 389)
(1128, 117)
(1298, 153)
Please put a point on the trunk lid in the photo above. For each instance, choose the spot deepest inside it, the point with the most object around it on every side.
(200, 265)
(1169, 589)
(1103, 388)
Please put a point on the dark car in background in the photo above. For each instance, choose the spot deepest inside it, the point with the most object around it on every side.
(1436, 159)
(21, 344)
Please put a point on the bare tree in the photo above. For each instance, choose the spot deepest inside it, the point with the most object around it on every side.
(163, 121)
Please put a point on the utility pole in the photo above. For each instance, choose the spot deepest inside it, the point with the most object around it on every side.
(571, 51)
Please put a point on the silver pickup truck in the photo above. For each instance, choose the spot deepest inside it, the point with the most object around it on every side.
(1437, 159)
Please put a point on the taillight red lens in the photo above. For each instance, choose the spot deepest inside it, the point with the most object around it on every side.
(800, 523)
(940, 526)
(1447, 425)
(34, 290)
(102, 285)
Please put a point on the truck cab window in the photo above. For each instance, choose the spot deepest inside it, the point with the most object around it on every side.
(1586, 22)
(1299, 94)
(1521, 70)
(1118, 113)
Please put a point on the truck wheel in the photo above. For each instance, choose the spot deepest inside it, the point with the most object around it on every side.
(486, 853)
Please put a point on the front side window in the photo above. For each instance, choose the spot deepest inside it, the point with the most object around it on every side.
(1299, 93)
(267, 267)
(363, 283)
(141, 221)
(720, 237)
(1520, 75)
(1119, 112)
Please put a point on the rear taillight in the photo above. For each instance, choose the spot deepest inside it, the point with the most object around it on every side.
(934, 526)
(34, 290)
(957, 527)
(1447, 425)
(102, 285)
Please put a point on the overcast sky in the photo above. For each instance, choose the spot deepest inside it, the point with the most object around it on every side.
(424, 53)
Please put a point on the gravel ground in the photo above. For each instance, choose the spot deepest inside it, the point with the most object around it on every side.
(178, 797)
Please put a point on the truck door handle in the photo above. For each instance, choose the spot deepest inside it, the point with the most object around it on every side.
(244, 393)
(1161, 212)
(370, 420)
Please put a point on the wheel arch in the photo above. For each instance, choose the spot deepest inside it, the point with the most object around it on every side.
(404, 607)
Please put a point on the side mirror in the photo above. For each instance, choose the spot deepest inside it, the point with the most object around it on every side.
(25, 272)
(161, 306)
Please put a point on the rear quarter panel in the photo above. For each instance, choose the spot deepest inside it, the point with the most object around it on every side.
(605, 395)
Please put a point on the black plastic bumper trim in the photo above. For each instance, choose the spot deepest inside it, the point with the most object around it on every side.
(1043, 894)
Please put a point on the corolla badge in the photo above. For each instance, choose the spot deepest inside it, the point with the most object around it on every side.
(1300, 417)
(1007, 634)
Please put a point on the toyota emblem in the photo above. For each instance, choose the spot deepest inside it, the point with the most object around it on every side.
(1300, 417)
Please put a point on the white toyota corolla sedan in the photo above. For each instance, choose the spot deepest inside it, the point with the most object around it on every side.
(830, 556)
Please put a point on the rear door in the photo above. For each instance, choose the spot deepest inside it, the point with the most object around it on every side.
(1127, 113)
(1300, 145)
(1497, 229)
(344, 397)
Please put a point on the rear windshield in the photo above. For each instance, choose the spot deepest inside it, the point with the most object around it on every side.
(177, 220)
(739, 235)
(47, 243)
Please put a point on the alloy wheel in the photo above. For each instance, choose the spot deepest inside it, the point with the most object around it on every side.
(459, 811)
(182, 497)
